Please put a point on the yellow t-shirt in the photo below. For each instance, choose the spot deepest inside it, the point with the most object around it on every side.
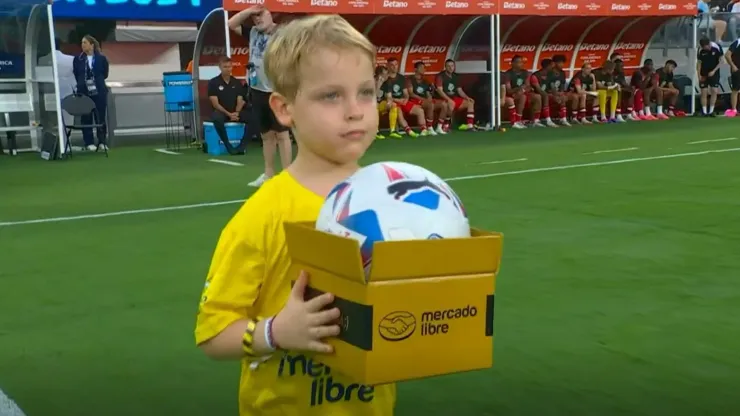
(249, 277)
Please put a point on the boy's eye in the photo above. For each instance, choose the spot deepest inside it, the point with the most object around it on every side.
(368, 92)
(330, 96)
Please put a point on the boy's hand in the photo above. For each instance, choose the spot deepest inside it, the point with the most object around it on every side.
(302, 325)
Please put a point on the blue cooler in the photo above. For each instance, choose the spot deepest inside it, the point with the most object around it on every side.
(234, 131)
(178, 91)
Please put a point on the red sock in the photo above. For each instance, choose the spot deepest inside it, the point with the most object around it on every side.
(512, 115)
(536, 116)
(430, 124)
(619, 111)
(595, 110)
(441, 123)
(639, 104)
(470, 118)
(574, 113)
(671, 108)
(407, 129)
(563, 113)
(546, 112)
(519, 117)
(581, 113)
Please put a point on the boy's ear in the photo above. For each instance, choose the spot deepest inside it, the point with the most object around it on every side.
(282, 109)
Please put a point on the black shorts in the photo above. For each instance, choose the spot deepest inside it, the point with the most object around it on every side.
(735, 81)
(709, 82)
(262, 113)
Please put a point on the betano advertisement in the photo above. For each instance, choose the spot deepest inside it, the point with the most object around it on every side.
(478, 7)
(432, 40)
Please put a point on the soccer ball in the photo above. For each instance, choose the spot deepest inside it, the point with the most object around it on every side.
(393, 201)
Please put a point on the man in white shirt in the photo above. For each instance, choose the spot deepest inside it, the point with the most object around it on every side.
(274, 135)
(65, 73)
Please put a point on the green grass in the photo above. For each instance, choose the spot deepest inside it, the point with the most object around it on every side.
(618, 293)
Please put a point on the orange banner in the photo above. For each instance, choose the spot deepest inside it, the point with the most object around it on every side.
(431, 44)
(563, 39)
(477, 7)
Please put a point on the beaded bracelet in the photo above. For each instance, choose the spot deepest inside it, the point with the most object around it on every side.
(248, 338)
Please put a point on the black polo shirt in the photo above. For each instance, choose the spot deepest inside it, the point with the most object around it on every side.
(226, 92)
(709, 59)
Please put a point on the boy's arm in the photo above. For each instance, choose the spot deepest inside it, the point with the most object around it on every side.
(232, 287)
(234, 280)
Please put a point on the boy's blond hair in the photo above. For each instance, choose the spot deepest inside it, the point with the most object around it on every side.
(294, 42)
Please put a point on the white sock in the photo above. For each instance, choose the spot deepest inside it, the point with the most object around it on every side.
(660, 109)
(647, 111)
(711, 109)
(705, 110)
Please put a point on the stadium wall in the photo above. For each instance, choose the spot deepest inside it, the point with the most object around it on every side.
(433, 39)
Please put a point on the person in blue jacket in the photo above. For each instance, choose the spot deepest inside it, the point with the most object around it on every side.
(90, 71)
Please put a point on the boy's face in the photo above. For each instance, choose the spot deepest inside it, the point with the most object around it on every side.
(334, 113)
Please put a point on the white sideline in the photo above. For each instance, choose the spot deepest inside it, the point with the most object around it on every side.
(457, 178)
(626, 149)
(727, 139)
(166, 152)
(226, 162)
(587, 165)
(498, 162)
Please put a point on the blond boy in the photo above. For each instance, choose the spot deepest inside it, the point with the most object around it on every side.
(322, 73)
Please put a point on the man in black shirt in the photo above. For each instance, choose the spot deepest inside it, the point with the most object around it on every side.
(733, 59)
(707, 66)
(226, 95)
(666, 91)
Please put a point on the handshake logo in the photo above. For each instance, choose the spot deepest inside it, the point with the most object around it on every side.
(397, 326)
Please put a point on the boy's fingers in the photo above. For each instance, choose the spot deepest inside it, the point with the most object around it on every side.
(319, 302)
(321, 332)
(299, 288)
(324, 317)
(318, 346)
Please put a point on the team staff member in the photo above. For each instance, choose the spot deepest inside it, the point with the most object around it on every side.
(384, 107)
(396, 92)
(583, 85)
(274, 135)
(665, 90)
(540, 82)
(733, 59)
(558, 94)
(90, 71)
(226, 95)
(520, 90)
(448, 89)
(608, 89)
(643, 80)
(627, 92)
(708, 60)
(420, 93)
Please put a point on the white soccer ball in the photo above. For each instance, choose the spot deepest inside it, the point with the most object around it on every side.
(390, 201)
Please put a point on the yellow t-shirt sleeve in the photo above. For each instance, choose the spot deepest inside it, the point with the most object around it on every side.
(233, 282)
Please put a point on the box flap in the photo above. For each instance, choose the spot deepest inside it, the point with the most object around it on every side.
(335, 254)
(398, 260)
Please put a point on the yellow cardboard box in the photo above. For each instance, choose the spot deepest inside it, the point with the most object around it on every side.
(426, 308)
